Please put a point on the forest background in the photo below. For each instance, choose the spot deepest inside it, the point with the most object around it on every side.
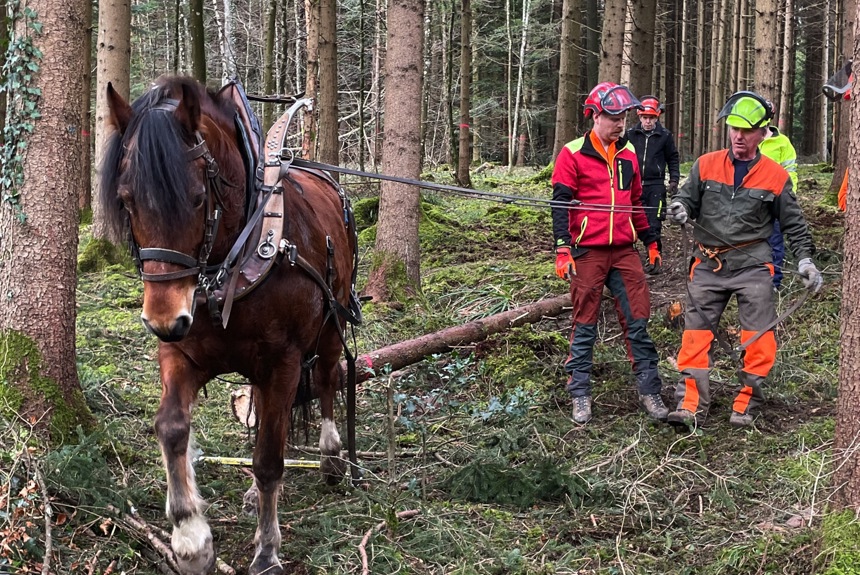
(489, 91)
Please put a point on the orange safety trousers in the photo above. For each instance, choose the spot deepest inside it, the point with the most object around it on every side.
(708, 295)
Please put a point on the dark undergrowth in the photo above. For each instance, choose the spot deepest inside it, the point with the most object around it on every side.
(502, 481)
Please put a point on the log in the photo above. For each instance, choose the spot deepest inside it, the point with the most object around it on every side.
(399, 355)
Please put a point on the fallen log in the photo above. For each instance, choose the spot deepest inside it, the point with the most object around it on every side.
(401, 354)
(404, 353)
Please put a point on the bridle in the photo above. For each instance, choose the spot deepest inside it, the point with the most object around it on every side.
(207, 281)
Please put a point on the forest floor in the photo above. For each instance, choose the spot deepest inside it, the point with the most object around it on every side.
(500, 478)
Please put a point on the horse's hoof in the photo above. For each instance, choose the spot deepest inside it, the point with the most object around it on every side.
(333, 469)
(201, 564)
(251, 501)
(266, 566)
(191, 542)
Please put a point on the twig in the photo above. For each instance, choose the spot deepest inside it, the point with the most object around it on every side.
(46, 564)
(365, 569)
(110, 567)
(93, 562)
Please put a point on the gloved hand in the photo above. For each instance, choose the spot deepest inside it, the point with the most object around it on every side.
(677, 213)
(673, 189)
(810, 275)
(565, 267)
(655, 260)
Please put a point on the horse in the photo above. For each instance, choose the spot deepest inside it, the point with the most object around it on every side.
(176, 178)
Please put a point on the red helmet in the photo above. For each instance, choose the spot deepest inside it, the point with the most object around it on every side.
(651, 106)
(610, 98)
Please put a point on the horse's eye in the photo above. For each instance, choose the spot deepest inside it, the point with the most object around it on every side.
(199, 199)
(125, 196)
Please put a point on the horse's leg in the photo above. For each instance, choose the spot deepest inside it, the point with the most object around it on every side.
(192, 539)
(274, 402)
(329, 375)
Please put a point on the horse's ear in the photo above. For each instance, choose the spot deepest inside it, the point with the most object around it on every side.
(188, 110)
(120, 111)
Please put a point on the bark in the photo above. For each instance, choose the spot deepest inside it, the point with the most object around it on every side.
(327, 110)
(399, 355)
(397, 251)
(567, 107)
(312, 23)
(519, 150)
(38, 228)
(268, 60)
(592, 42)
(4, 44)
(785, 82)
(767, 61)
(197, 32)
(612, 41)
(842, 123)
(85, 194)
(113, 54)
(644, 14)
(846, 478)
(699, 133)
(464, 152)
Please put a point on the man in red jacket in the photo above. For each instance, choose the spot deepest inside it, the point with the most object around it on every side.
(597, 216)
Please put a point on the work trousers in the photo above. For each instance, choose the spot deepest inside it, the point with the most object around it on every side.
(620, 269)
(709, 293)
(654, 201)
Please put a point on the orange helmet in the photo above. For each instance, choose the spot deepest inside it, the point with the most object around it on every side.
(651, 106)
(610, 98)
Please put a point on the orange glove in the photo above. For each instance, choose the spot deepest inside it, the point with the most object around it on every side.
(654, 258)
(565, 267)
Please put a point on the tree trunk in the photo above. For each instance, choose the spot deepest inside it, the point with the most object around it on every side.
(329, 145)
(464, 156)
(592, 42)
(113, 54)
(515, 123)
(269, 60)
(644, 14)
(785, 82)
(612, 41)
(767, 61)
(397, 250)
(39, 223)
(312, 26)
(85, 194)
(567, 107)
(846, 477)
(842, 123)
(699, 121)
(197, 32)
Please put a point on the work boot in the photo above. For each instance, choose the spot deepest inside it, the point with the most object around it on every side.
(741, 419)
(653, 405)
(683, 420)
(582, 409)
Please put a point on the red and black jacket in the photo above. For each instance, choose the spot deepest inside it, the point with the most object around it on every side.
(610, 188)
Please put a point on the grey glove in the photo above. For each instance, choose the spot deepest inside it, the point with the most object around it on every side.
(810, 275)
(677, 212)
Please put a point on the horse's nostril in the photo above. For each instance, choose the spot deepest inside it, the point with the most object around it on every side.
(182, 325)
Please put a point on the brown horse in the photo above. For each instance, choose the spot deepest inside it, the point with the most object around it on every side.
(175, 175)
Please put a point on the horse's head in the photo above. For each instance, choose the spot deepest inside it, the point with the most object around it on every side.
(162, 179)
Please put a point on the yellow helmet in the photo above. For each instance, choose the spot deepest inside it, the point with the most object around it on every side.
(746, 110)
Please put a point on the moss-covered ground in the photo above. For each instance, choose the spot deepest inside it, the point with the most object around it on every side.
(502, 480)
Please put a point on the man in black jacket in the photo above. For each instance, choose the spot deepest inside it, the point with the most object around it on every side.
(655, 148)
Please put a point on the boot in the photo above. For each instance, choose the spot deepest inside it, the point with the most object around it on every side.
(683, 420)
(653, 405)
(741, 419)
(582, 409)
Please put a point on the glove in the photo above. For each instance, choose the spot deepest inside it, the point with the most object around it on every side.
(673, 189)
(677, 213)
(655, 260)
(810, 275)
(565, 267)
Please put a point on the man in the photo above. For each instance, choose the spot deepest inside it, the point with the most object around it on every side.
(655, 148)
(734, 196)
(597, 176)
(778, 148)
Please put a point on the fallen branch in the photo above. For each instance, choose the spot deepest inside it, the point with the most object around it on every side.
(362, 548)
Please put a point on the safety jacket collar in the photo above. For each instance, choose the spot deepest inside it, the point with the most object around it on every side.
(588, 148)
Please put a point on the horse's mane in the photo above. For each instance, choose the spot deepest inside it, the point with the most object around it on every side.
(155, 146)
